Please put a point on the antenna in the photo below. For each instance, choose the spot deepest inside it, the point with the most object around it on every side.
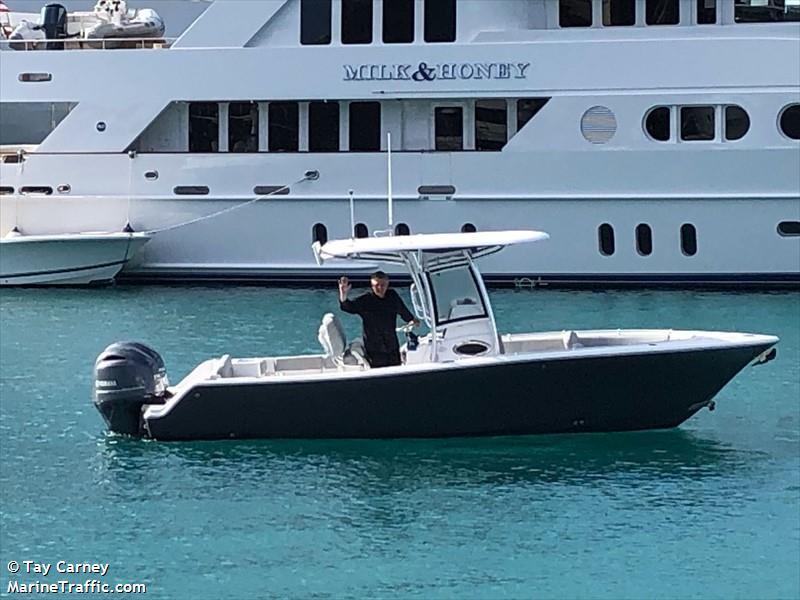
(352, 215)
(389, 178)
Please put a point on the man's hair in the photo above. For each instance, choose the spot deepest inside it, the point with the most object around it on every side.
(379, 275)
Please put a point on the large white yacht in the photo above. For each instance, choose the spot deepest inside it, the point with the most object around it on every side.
(658, 141)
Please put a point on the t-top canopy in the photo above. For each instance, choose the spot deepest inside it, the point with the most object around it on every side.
(478, 242)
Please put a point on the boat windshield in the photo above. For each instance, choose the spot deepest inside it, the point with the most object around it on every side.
(456, 296)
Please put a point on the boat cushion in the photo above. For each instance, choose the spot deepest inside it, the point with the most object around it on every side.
(331, 336)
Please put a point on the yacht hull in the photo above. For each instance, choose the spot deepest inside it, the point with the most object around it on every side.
(650, 390)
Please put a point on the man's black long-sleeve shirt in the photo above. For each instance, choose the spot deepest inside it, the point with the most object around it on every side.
(380, 319)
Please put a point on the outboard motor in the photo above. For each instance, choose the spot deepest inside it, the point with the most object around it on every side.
(128, 375)
(54, 24)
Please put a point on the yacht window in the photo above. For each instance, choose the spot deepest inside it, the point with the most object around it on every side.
(789, 228)
(365, 126)
(360, 230)
(657, 123)
(34, 77)
(190, 190)
(398, 21)
(283, 126)
(203, 127)
(575, 13)
(45, 190)
(527, 109)
(319, 233)
(356, 21)
(5, 189)
(23, 123)
(402, 229)
(605, 236)
(736, 122)
(619, 12)
(662, 12)
(456, 296)
(449, 124)
(765, 11)
(790, 121)
(706, 12)
(440, 20)
(644, 239)
(491, 124)
(468, 228)
(688, 239)
(315, 22)
(243, 127)
(697, 123)
(271, 190)
(323, 126)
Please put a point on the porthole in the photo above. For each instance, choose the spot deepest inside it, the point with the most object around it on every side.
(737, 123)
(402, 229)
(361, 230)
(657, 123)
(34, 77)
(790, 121)
(151, 175)
(191, 190)
(271, 190)
(319, 233)
(789, 228)
(598, 125)
(101, 126)
(688, 239)
(36, 189)
(64, 188)
(468, 228)
(605, 236)
(644, 239)
(6, 189)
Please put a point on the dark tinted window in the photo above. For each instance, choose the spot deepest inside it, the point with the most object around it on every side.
(657, 123)
(527, 109)
(789, 228)
(440, 20)
(697, 123)
(575, 13)
(402, 229)
(360, 230)
(365, 126)
(790, 121)
(644, 239)
(356, 21)
(319, 233)
(706, 11)
(736, 122)
(468, 228)
(688, 239)
(398, 21)
(323, 126)
(283, 126)
(315, 21)
(491, 124)
(449, 123)
(765, 11)
(243, 127)
(605, 237)
(619, 12)
(662, 12)
(203, 127)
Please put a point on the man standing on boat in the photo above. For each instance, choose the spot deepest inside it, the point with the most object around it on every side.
(378, 309)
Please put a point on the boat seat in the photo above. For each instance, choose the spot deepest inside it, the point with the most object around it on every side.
(464, 307)
(334, 342)
(570, 340)
(222, 367)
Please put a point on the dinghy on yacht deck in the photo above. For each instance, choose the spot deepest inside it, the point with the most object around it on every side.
(66, 259)
(461, 379)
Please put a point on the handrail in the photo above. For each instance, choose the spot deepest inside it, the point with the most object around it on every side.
(110, 43)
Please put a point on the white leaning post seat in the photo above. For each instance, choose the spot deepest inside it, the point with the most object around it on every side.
(334, 343)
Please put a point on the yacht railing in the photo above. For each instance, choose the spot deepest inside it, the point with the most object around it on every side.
(88, 44)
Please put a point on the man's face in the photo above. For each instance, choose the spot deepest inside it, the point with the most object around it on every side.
(379, 286)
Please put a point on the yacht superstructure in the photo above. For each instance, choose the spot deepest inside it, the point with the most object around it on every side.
(658, 141)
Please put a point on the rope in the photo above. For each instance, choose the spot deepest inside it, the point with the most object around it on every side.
(308, 176)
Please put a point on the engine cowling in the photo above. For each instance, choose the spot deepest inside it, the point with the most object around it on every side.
(127, 376)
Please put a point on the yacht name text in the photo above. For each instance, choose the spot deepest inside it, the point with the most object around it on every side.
(436, 71)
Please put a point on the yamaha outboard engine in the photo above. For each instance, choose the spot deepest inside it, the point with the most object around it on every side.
(54, 24)
(128, 375)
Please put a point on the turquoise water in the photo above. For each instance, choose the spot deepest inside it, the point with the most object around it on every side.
(709, 510)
